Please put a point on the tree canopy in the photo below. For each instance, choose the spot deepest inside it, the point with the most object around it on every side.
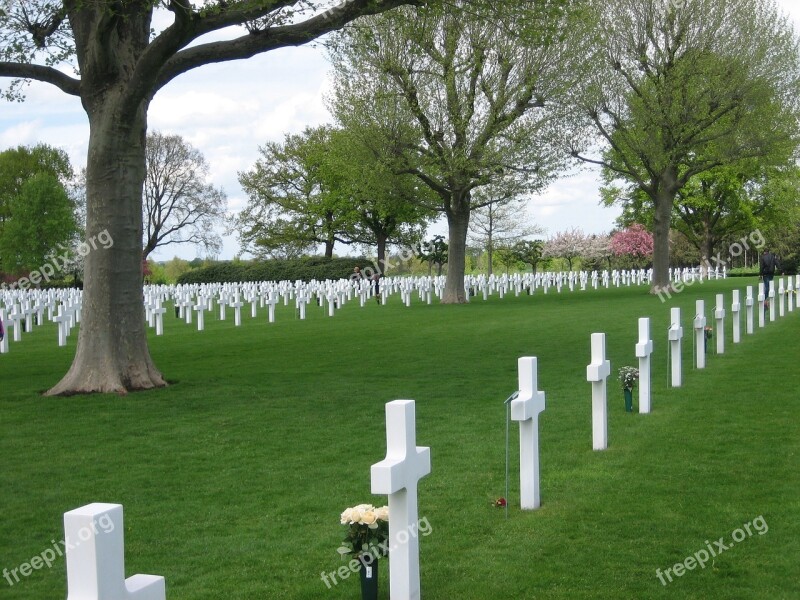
(463, 92)
(671, 91)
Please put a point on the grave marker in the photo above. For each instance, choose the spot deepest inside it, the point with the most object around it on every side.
(96, 558)
(675, 335)
(397, 475)
(748, 303)
(644, 348)
(735, 310)
(597, 372)
(525, 408)
(719, 316)
(700, 334)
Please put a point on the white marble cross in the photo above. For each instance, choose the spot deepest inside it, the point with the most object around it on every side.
(748, 304)
(237, 305)
(4, 341)
(525, 408)
(16, 316)
(675, 335)
(63, 326)
(761, 300)
(719, 317)
(200, 308)
(700, 334)
(736, 308)
(158, 314)
(597, 372)
(273, 300)
(781, 298)
(771, 299)
(96, 558)
(644, 348)
(789, 296)
(397, 475)
(301, 300)
(186, 305)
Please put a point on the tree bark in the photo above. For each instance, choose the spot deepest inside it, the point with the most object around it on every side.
(663, 200)
(381, 239)
(457, 224)
(112, 353)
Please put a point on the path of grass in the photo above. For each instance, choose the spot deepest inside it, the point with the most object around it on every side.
(233, 478)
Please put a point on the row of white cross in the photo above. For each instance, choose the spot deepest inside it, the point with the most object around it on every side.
(95, 568)
(17, 307)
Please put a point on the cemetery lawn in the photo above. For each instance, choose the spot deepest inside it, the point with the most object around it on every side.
(234, 477)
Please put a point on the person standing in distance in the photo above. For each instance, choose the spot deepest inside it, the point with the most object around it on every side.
(767, 264)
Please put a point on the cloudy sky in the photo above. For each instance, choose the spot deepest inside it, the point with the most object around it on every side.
(227, 111)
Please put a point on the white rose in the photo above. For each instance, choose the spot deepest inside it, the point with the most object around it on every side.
(368, 517)
(383, 513)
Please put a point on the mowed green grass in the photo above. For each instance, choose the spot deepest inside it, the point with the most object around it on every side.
(233, 478)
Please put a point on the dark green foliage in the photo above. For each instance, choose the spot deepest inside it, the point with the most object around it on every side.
(305, 269)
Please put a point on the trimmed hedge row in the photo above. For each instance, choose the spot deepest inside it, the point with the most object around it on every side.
(304, 269)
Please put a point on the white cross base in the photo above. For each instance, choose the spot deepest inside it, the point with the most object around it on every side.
(397, 475)
(96, 558)
(525, 408)
(597, 372)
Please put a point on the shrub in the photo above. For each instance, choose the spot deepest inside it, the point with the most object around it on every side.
(304, 269)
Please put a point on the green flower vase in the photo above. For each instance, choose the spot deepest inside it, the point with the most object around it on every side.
(369, 579)
(628, 399)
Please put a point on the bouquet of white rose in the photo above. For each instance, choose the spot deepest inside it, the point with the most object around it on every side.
(367, 530)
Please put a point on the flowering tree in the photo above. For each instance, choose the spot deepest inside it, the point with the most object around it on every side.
(634, 241)
(568, 245)
(598, 249)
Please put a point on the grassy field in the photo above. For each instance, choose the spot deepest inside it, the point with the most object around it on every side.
(233, 478)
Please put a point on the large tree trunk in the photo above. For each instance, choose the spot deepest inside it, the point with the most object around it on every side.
(662, 217)
(112, 353)
(381, 253)
(709, 261)
(457, 223)
(490, 254)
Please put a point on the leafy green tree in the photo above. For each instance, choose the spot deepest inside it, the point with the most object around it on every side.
(673, 91)
(461, 91)
(434, 252)
(384, 207)
(507, 257)
(292, 206)
(42, 221)
(19, 164)
(121, 64)
(175, 268)
(530, 252)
